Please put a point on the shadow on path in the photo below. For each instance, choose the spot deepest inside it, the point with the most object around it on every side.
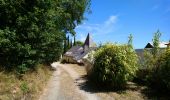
(96, 88)
(155, 94)
(147, 93)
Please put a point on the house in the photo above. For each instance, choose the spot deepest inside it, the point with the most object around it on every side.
(162, 45)
(168, 44)
(149, 46)
(77, 53)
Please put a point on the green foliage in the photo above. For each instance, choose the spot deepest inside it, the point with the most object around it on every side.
(114, 65)
(79, 43)
(130, 41)
(149, 60)
(156, 41)
(160, 77)
(146, 66)
(32, 31)
(24, 87)
(150, 57)
(67, 44)
(155, 70)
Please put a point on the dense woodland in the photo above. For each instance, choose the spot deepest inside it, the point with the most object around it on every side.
(34, 31)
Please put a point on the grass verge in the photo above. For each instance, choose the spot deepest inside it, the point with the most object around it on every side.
(28, 87)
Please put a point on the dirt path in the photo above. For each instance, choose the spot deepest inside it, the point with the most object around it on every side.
(78, 80)
(63, 85)
(52, 90)
(68, 82)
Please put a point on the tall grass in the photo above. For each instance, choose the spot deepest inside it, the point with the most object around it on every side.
(27, 87)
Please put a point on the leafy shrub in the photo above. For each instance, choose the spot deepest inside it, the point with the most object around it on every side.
(114, 65)
(145, 67)
(142, 76)
(149, 60)
(160, 77)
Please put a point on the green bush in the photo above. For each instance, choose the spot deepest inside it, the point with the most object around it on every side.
(145, 67)
(160, 77)
(114, 65)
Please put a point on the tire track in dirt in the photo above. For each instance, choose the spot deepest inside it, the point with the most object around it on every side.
(74, 75)
(62, 86)
(52, 89)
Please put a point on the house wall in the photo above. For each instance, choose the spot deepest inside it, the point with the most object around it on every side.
(88, 66)
(68, 59)
(140, 53)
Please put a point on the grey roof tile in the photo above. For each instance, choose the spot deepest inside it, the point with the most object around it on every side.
(78, 52)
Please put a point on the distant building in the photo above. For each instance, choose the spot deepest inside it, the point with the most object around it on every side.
(77, 53)
(168, 45)
(149, 46)
(162, 45)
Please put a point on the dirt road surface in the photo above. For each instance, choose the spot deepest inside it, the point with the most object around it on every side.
(63, 85)
(68, 82)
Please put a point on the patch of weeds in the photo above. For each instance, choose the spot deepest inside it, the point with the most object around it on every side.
(24, 87)
(29, 85)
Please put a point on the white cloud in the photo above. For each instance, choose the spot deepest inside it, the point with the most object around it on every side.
(111, 20)
(106, 27)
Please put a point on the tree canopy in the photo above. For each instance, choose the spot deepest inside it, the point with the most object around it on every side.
(79, 43)
(33, 31)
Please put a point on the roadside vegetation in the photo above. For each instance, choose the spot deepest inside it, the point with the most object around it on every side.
(113, 66)
(32, 32)
(154, 70)
(28, 87)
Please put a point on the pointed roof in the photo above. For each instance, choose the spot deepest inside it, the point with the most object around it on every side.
(161, 45)
(149, 45)
(89, 42)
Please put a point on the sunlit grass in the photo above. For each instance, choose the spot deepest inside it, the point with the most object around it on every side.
(29, 86)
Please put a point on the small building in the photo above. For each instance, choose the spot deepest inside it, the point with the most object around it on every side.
(77, 53)
(149, 46)
(168, 45)
(162, 45)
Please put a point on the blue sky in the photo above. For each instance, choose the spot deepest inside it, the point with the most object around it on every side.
(114, 20)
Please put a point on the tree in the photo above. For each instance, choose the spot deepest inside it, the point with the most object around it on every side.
(65, 46)
(150, 58)
(79, 43)
(160, 77)
(71, 44)
(130, 41)
(32, 31)
(68, 42)
(156, 41)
